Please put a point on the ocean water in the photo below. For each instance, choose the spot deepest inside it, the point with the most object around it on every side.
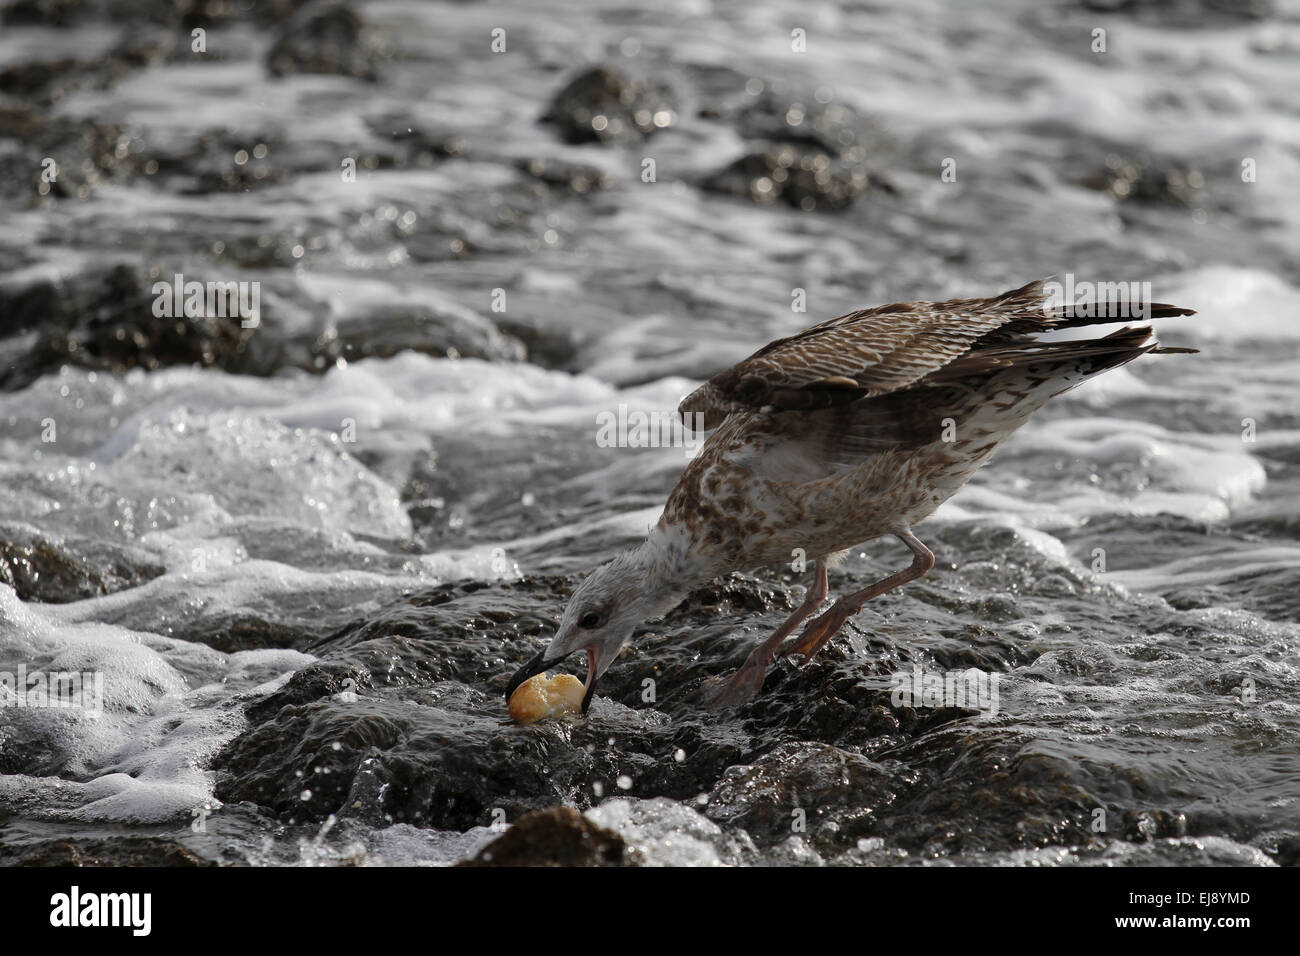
(1129, 563)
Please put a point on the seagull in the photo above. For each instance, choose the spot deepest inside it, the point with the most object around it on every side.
(853, 429)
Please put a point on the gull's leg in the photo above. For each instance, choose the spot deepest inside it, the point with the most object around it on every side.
(822, 629)
(730, 690)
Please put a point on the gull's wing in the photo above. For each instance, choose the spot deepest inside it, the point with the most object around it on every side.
(877, 351)
(859, 355)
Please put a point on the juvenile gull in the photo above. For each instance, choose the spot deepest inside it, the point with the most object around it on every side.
(850, 430)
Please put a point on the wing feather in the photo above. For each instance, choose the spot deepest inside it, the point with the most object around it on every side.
(859, 355)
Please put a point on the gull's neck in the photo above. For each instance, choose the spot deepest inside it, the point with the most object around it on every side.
(666, 565)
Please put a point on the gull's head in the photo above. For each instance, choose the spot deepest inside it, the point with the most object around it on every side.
(599, 619)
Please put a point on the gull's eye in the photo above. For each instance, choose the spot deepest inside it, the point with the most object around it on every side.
(589, 620)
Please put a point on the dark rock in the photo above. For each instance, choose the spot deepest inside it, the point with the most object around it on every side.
(173, 14)
(19, 120)
(222, 161)
(390, 328)
(413, 145)
(40, 568)
(325, 37)
(88, 154)
(44, 13)
(403, 721)
(47, 81)
(1288, 852)
(441, 757)
(801, 176)
(306, 685)
(423, 737)
(833, 795)
(246, 632)
(1144, 178)
(604, 105)
(559, 836)
(42, 79)
(565, 177)
(104, 320)
(97, 851)
(833, 128)
(1143, 826)
(982, 791)
(551, 346)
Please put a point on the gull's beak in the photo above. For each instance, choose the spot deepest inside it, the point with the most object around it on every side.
(593, 659)
(539, 663)
(534, 667)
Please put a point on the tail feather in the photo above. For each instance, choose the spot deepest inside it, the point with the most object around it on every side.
(1111, 350)
(1067, 317)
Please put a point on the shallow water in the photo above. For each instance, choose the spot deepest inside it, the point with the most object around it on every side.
(396, 484)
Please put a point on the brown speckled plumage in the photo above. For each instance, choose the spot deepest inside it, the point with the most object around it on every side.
(835, 435)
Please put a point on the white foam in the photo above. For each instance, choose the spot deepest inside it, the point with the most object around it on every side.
(1235, 304)
(143, 749)
(665, 833)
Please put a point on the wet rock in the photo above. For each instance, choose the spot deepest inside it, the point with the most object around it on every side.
(173, 14)
(799, 175)
(402, 721)
(410, 143)
(49, 80)
(43, 13)
(440, 756)
(833, 128)
(446, 330)
(560, 176)
(105, 851)
(832, 795)
(559, 836)
(44, 79)
(326, 37)
(1288, 852)
(1141, 826)
(245, 632)
(551, 346)
(604, 105)
(104, 319)
(306, 685)
(811, 153)
(41, 568)
(89, 155)
(19, 119)
(1147, 179)
(221, 161)
(983, 791)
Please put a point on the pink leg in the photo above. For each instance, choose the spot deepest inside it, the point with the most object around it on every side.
(822, 629)
(730, 690)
